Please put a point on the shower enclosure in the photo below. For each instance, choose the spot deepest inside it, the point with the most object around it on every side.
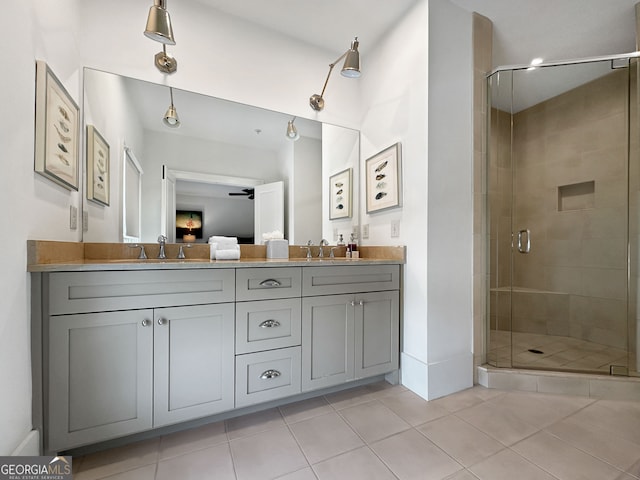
(562, 216)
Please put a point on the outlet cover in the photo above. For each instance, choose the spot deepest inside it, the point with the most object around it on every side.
(395, 229)
(356, 231)
(365, 230)
(85, 221)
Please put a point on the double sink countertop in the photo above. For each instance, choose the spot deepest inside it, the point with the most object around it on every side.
(53, 256)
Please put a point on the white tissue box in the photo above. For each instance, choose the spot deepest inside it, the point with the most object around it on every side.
(277, 248)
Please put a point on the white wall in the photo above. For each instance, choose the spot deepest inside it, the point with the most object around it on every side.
(411, 73)
(305, 192)
(32, 206)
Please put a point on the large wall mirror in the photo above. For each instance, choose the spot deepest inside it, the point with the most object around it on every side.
(212, 164)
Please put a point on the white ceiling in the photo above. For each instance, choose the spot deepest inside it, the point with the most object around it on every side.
(523, 29)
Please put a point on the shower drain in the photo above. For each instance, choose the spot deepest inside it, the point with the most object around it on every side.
(534, 350)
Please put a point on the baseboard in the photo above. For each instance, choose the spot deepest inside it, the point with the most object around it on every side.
(435, 380)
(29, 447)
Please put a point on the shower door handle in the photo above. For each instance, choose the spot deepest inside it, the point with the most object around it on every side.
(524, 247)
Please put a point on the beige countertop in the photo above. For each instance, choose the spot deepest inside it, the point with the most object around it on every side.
(48, 256)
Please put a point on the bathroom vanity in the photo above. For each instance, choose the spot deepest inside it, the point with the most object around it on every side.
(131, 347)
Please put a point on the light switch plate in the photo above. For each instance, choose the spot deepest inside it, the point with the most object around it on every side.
(85, 221)
(73, 217)
(395, 229)
(365, 230)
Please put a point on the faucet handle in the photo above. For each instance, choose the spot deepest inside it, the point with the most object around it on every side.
(308, 251)
(181, 251)
(162, 239)
(143, 254)
(331, 254)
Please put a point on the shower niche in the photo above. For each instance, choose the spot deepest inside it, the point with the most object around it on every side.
(562, 217)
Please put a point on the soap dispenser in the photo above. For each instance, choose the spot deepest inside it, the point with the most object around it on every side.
(352, 248)
(340, 240)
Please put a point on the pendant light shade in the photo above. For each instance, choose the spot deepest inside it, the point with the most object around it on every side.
(171, 118)
(351, 67)
(292, 131)
(159, 24)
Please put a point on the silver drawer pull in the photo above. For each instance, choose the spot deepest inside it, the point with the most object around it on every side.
(269, 324)
(270, 282)
(270, 374)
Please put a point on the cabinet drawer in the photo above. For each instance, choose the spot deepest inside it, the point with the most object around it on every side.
(349, 279)
(76, 292)
(265, 376)
(268, 283)
(267, 324)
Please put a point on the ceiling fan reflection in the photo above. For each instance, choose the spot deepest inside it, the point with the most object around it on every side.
(246, 192)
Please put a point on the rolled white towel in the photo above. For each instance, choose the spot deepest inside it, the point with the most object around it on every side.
(219, 239)
(228, 254)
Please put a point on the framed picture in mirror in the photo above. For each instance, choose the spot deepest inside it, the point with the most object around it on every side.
(57, 130)
(340, 195)
(97, 167)
(189, 225)
(384, 180)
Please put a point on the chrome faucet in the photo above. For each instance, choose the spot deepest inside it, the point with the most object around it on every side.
(162, 240)
(323, 243)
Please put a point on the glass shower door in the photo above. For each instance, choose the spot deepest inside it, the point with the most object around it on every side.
(564, 282)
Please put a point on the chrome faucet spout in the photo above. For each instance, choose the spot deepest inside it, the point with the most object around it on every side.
(162, 240)
(323, 243)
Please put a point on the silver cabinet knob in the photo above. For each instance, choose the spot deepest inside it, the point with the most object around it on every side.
(162, 321)
(353, 303)
(146, 322)
(361, 303)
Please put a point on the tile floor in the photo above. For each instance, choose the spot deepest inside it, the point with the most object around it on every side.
(381, 431)
(559, 353)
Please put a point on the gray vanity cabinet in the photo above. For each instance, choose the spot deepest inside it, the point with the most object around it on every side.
(100, 377)
(268, 330)
(123, 371)
(193, 362)
(350, 336)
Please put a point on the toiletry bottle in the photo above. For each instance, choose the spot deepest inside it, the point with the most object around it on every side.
(352, 248)
(340, 241)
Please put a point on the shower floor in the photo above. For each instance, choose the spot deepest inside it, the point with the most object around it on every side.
(564, 353)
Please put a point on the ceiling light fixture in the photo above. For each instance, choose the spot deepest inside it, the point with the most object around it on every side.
(292, 131)
(350, 68)
(171, 117)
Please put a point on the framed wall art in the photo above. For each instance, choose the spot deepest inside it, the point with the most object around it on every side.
(340, 195)
(98, 164)
(57, 130)
(189, 224)
(384, 180)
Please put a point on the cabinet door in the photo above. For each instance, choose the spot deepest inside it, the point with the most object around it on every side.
(327, 341)
(193, 362)
(100, 374)
(377, 325)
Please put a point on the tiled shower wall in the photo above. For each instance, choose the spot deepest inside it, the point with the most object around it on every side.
(482, 61)
(570, 190)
